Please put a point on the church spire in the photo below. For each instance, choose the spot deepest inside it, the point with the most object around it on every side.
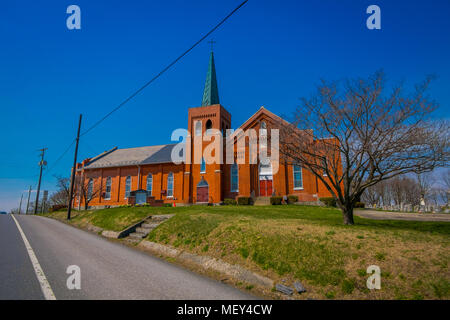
(211, 92)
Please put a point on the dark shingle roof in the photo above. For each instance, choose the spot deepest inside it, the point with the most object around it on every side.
(133, 156)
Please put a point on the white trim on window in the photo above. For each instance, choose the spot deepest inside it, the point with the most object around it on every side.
(90, 189)
(108, 187)
(170, 178)
(298, 169)
(324, 163)
(127, 186)
(150, 177)
(234, 171)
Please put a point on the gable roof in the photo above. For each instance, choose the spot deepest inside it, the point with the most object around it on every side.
(132, 156)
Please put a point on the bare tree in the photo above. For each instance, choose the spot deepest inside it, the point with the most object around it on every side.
(354, 136)
(444, 189)
(87, 190)
(61, 196)
(58, 198)
(425, 183)
(446, 179)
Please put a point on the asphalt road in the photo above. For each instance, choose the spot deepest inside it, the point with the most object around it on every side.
(108, 270)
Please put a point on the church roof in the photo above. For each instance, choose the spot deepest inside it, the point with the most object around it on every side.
(211, 91)
(132, 156)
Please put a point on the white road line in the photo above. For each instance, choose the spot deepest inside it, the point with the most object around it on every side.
(45, 286)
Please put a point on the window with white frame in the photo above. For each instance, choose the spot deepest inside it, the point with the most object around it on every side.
(298, 179)
(149, 184)
(170, 184)
(198, 128)
(324, 166)
(127, 186)
(108, 188)
(203, 166)
(90, 189)
(234, 178)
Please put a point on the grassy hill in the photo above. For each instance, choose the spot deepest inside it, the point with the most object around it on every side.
(310, 244)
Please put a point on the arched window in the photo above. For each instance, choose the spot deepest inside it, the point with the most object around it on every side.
(203, 166)
(90, 189)
(198, 128)
(127, 186)
(149, 184)
(170, 184)
(208, 124)
(298, 179)
(234, 178)
(108, 188)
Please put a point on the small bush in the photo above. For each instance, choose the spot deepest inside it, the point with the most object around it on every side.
(360, 205)
(292, 199)
(276, 200)
(328, 201)
(245, 201)
(168, 205)
(229, 202)
(58, 207)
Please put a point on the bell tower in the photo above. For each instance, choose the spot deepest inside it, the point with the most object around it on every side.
(205, 179)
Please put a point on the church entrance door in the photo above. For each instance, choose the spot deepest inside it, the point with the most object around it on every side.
(265, 180)
(265, 187)
(202, 191)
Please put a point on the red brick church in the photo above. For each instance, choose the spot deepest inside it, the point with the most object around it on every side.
(148, 174)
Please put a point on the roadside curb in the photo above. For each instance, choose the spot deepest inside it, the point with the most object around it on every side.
(209, 263)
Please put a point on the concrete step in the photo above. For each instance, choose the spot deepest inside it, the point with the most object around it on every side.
(137, 235)
(160, 218)
(262, 201)
(149, 225)
(143, 230)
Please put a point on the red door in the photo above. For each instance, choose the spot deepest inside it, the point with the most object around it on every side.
(202, 194)
(265, 188)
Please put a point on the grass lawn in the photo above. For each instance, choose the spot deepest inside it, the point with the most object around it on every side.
(309, 244)
(115, 219)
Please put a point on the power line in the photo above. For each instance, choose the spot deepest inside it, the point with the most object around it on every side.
(60, 157)
(164, 70)
(146, 85)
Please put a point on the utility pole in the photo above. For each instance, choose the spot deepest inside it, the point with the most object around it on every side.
(41, 164)
(20, 205)
(74, 169)
(28, 201)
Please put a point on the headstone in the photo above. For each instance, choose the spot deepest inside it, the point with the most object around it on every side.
(284, 289)
(299, 287)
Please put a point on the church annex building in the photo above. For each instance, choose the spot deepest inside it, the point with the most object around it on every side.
(148, 174)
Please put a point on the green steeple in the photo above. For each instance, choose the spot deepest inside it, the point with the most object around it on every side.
(211, 92)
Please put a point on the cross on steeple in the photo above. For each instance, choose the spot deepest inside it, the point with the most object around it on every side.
(212, 44)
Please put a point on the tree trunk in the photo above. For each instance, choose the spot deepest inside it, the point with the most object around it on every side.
(86, 205)
(347, 211)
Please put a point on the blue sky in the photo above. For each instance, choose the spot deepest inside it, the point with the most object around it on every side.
(270, 53)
